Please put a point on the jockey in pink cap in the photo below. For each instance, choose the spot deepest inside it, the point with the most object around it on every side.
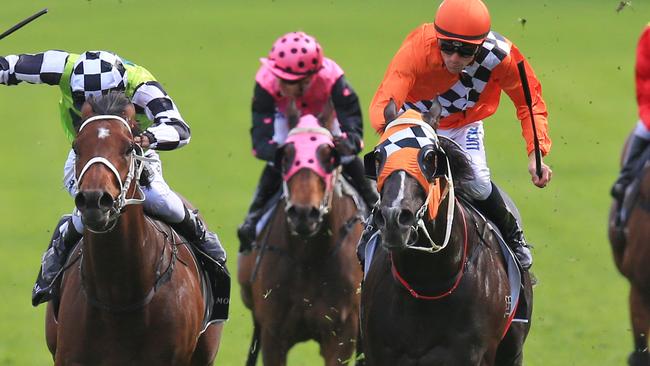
(296, 69)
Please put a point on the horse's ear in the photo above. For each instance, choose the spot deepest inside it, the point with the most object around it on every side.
(390, 111)
(129, 115)
(292, 113)
(86, 111)
(326, 117)
(432, 116)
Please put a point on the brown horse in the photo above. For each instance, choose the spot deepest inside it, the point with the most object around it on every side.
(631, 255)
(132, 293)
(436, 291)
(305, 278)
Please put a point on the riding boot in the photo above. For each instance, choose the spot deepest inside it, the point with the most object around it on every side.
(631, 165)
(207, 243)
(354, 172)
(193, 229)
(269, 184)
(368, 231)
(496, 209)
(63, 240)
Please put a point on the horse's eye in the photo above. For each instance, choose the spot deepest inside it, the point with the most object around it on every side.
(429, 164)
(129, 149)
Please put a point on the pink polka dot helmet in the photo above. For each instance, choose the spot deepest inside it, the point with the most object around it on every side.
(294, 56)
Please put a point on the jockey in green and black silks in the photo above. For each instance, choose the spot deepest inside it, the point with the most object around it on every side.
(94, 73)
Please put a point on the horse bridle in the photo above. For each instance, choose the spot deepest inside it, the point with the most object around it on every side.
(325, 203)
(135, 170)
(449, 190)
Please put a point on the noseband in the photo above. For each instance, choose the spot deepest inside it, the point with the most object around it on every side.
(135, 170)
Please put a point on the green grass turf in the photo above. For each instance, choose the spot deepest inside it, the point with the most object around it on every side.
(206, 54)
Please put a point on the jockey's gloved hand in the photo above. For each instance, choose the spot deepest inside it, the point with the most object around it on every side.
(346, 144)
(144, 139)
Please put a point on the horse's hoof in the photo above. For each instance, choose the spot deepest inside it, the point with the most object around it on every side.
(638, 359)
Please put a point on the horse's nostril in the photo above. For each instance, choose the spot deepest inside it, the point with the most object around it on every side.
(291, 212)
(106, 201)
(314, 214)
(405, 218)
(79, 200)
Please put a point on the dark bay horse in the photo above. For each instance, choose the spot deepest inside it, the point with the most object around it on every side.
(305, 281)
(436, 291)
(632, 255)
(132, 294)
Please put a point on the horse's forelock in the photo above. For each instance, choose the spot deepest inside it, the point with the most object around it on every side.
(112, 103)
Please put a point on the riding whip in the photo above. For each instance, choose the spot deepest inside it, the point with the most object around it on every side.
(529, 102)
(22, 23)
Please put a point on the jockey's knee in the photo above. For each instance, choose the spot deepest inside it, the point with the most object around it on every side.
(78, 224)
(479, 188)
(164, 203)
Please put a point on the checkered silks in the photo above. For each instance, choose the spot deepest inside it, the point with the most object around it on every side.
(96, 72)
(466, 91)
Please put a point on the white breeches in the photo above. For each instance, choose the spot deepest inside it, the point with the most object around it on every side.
(470, 138)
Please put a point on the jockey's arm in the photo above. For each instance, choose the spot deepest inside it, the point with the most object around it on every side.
(168, 131)
(348, 113)
(40, 68)
(263, 110)
(509, 80)
(399, 79)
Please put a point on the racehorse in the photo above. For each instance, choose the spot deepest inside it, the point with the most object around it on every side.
(436, 291)
(631, 256)
(132, 293)
(305, 278)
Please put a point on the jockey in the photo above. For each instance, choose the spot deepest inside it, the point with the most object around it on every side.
(94, 73)
(640, 139)
(296, 68)
(464, 64)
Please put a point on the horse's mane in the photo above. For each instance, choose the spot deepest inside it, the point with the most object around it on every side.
(461, 168)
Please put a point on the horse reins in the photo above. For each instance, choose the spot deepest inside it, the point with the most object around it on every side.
(457, 277)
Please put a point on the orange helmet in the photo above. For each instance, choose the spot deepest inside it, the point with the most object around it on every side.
(463, 20)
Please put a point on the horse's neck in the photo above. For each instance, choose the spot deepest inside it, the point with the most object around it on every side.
(121, 259)
(422, 267)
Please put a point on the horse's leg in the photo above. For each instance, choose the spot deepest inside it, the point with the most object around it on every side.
(207, 346)
(640, 326)
(245, 264)
(338, 348)
(616, 240)
(274, 348)
(50, 329)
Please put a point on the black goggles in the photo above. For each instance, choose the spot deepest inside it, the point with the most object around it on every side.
(462, 49)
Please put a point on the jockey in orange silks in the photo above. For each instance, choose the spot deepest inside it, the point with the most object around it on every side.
(465, 65)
